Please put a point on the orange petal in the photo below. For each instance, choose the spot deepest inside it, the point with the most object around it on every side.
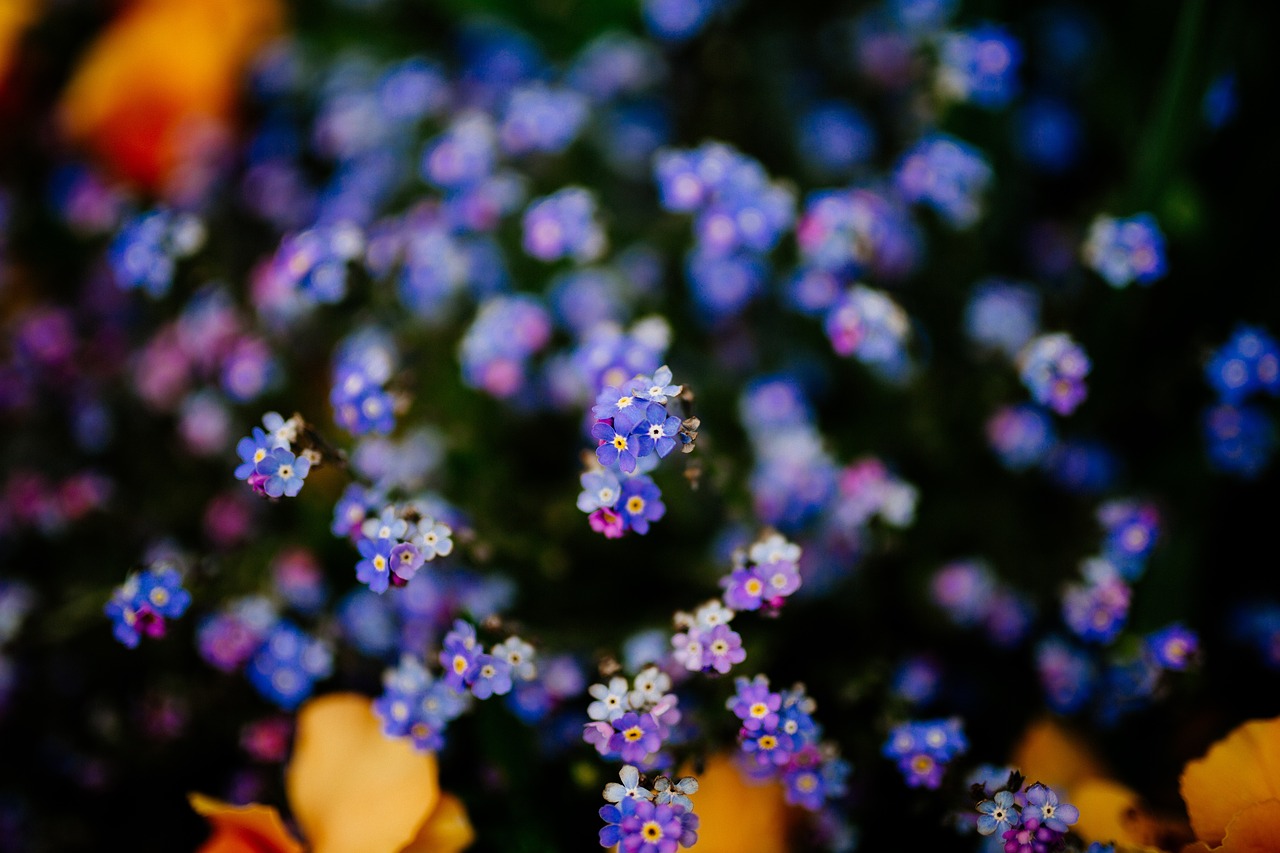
(447, 830)
(160, 68)
(243, 829)
(1256, 829)
(1113, 814)
(1241, 769)
(353, 789)
(1052, 754)
(736, 815)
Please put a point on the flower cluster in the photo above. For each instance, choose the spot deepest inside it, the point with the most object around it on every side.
(1242, 437)
(980, 66)
(764, 576)
(971, 595)
(1123, 251)
(311, 265)
(948, 175)
(1053, 368)
(417, 705)
(1030, 821)
(632, 721)
(563, 225)
(147, 248)
(267, 456)
(396, 542)
(496, 350)
(869, 326)
(923, 749)
(634, 430)
(739, 216)
(780, 739)
(363, 364)
(649, 820)
(144, 601)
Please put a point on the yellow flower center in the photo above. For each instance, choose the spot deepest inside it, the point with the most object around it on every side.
(767, 742)
(759, 710)
(459, 664)
(620, 442)
(635, 504)
(633, 734)
(651, 831)
(159, 597)
(754, 587)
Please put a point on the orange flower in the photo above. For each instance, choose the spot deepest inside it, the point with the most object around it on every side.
(161, 81)
(735, 814)
(352, 789)
(1233, 792)
(15, 17)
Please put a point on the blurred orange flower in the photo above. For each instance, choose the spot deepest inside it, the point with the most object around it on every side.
(352, 790)
(735, 814)
(1233, 792)
(15, 17)
(162, 80)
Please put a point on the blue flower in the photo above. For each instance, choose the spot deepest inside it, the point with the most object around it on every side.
(620, 449)
(375, 569)
(489, 676)
(252, 450)
(624, 405)
(286, 666)
(599, 489)
(459, 655)
(657, 388)
(630, 786)
(640, 503)
(661, 429)
(998, 814)
(1043, 805)
(284, 472)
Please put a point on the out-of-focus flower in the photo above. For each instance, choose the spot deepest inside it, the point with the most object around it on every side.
(736, 814)
(351, 789)
(15, 17)
(160, 83)
(1233, 792)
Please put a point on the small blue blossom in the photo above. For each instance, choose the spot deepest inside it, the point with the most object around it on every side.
(1174, 647)
(620, 450)
(599, 489)
(1126, 250)
(252, 450)
(640, 502)
(289, 662)
(980, 66)
(998, 814)
(489, 676)
(615, 792)
(284, 473)
(564, 224)
(1043, 805)
(375, 569)
(662, 429)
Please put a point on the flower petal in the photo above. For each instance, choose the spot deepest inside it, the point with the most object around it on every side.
(1052, 754)
(737, 815)
(1110, 813)
(243, 829)
(447, 830)
(1241, 769)
(352, 789)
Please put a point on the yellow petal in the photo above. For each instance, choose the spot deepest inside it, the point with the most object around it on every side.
(1241, 769)
(243, 829)
(736, 815)
(447, 830)
(353, 789)
(1052, 754)
(15, 17)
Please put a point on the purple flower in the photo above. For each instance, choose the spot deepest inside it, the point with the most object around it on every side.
(635, 737)
(755, 704)
(722, 649)
(744, 589)
(599, 489)
(652, 828)
(624, 405)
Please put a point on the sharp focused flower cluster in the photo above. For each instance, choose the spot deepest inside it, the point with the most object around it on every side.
(634, 430)
(1030, 821)
(639, 819)
(780, 739)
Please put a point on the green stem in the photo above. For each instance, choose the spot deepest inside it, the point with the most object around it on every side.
(1161, 139)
